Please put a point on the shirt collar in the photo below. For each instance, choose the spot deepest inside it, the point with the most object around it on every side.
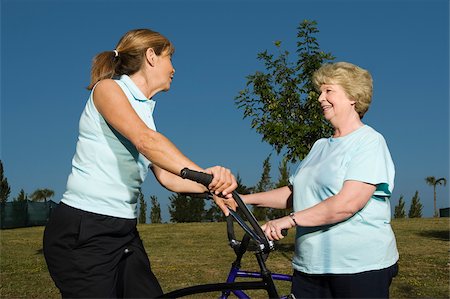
(135, 91)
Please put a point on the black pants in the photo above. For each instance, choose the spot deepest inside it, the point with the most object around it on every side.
(95, 256)
(369, 284)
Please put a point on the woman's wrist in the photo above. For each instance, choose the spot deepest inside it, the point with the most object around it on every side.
(292, 216)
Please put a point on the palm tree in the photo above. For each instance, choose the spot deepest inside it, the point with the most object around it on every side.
(431, 180)
(42, 194)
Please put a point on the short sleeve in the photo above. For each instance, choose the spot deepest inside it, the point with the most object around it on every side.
(371, 162)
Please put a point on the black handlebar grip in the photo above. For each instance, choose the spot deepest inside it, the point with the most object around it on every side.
(196, 176)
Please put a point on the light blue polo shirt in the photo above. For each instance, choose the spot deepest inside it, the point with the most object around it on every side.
(107, 170)
(365, 241)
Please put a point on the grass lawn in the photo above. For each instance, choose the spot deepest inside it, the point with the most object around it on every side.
(185, 254)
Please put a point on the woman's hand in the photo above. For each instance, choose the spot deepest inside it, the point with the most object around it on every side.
(225, 203)
(223, 181)
(273, 228)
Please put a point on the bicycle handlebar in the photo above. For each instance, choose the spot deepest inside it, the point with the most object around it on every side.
(196, 176)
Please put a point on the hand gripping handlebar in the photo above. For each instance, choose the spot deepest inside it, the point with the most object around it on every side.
(256, 232)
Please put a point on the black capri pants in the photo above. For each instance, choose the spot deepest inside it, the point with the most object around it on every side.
(369, 284)
(96, 256)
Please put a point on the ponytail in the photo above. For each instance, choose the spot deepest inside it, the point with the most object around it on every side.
(103, 67)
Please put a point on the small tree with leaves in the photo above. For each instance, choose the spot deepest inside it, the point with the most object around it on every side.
(282, 101)
(432, 181)
(415, 210)
(155, 212)
(5, 189)
(399, 210)
(142, 209)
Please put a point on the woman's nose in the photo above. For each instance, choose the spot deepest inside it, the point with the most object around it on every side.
(321, 97)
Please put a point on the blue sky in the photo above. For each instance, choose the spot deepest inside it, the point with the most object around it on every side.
(47, 48)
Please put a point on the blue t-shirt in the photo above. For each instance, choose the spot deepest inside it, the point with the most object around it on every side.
(107, 170)
(365, 241)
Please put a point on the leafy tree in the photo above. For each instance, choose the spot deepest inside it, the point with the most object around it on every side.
(22, 196)
(431, 180)
(5, 189)
(282, 102)
(415, 210)
(42, 195)
(282, 181)
(399, 210)
(186, 208)
(142, 209)
(264, 184)
(155, 213)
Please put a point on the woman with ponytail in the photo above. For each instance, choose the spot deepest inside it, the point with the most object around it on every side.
(91, 243)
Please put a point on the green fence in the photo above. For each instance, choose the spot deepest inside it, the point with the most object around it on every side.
(444, 212)
(25, 213)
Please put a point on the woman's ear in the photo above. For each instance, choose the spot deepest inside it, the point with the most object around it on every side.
(150, 56)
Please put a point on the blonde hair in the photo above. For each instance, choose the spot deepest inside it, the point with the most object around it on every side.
(356, 82)
(129, 54)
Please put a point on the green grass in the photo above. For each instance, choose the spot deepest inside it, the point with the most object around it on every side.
(188, 254)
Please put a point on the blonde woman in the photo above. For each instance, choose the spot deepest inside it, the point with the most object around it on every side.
(91, 244)
(340, 192)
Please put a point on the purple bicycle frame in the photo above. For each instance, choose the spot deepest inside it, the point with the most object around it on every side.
(236, 272)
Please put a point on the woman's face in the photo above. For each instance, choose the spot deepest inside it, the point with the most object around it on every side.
(336, 105)
(165, 71)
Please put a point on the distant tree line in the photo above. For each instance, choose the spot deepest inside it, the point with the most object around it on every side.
(5, 191)
(415, 209)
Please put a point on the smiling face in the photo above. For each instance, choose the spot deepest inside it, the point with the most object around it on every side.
(355, 81)
(337, 107)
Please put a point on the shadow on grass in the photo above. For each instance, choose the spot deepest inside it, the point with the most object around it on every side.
(443, 235)
(406, 290)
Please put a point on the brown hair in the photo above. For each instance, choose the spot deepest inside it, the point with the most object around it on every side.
(356, 82)
(129, 56)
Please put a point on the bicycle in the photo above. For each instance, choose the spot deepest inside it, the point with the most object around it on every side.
(253, 232)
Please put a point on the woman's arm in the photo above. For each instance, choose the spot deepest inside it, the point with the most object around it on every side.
(353, 196)
(113, 105)
(176, 183)
(280, 198)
